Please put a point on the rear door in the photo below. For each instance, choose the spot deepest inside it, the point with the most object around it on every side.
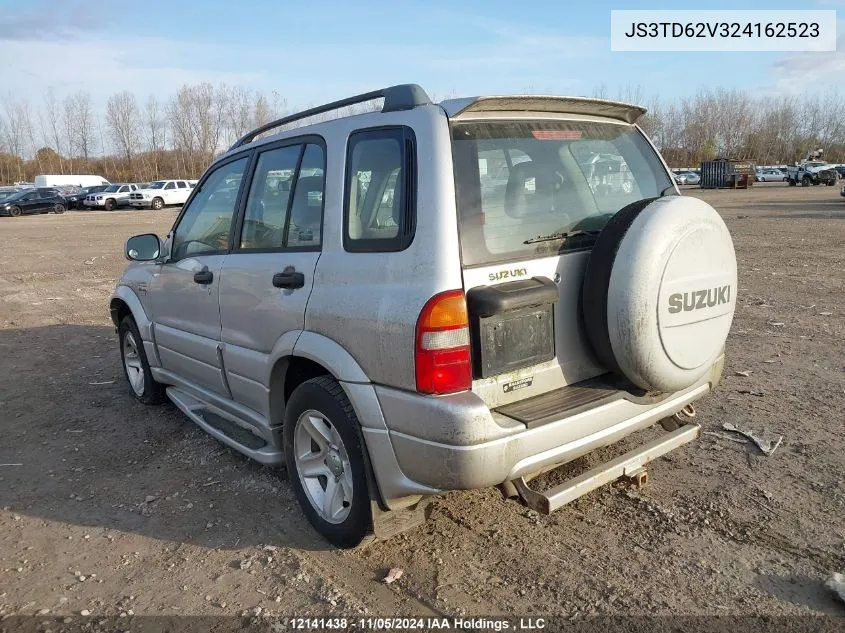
(168, 193)
(532, 196)
(266, 281)
(182, 191)
(184, 292)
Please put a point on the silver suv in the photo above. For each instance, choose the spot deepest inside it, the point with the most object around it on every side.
(433, 297)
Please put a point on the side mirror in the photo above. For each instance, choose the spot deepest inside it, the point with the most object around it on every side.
(142, 248)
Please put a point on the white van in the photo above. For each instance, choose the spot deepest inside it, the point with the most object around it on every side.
(69, 179)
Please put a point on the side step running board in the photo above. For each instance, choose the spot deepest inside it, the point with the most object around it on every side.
(628, 465)
(225, 428)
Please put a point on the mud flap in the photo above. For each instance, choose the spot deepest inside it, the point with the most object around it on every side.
(391, 522)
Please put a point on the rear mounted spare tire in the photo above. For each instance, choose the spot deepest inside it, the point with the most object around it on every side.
(660, 292)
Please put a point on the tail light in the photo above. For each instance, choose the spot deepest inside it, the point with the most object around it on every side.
(442, 357)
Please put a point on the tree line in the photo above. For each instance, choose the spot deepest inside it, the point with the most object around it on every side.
(131, 140)
(141, 140)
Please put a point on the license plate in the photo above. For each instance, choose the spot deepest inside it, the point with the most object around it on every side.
(512, 340)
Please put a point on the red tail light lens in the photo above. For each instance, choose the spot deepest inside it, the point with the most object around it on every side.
(442, 357)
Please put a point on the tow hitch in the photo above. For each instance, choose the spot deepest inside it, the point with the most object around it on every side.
(630, 466)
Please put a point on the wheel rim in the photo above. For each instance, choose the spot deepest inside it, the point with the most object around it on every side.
(14, 211)
(322, 465)
(132, 364)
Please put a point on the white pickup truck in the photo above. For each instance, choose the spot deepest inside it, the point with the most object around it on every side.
(161, 193)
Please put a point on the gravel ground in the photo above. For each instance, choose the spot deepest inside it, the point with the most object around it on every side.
(110, 507)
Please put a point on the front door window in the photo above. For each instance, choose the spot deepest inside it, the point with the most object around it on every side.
(205, 225)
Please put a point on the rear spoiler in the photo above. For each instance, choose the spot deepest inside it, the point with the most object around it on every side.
(564, 105)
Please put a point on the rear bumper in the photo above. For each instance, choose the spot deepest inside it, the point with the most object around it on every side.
(455, 442)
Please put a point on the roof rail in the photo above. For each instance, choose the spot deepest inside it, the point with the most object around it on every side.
(401, 97)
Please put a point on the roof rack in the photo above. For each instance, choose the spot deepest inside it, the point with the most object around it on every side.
(401, 97)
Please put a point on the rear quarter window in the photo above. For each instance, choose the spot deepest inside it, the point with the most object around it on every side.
(379, 197)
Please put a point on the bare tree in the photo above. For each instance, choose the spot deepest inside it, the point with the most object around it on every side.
(51, 125)
(79, 123)
(17, 128)
(123, 120)
(154, 133)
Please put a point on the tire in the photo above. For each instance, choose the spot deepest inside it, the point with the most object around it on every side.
(659, 292)
(15, 211)
(109, 205)
(805, 182)
(597, 278)
(59, 209)
(136, 368)
(320, 404)
(791, 182)
(157, 204)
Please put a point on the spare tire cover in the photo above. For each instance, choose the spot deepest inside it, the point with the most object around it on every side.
(660, 292)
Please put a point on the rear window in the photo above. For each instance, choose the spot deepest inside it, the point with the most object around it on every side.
(519, 182)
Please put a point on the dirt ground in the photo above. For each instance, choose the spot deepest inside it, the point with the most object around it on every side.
(112, 507)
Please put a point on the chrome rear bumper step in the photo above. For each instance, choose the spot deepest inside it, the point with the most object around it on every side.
(628, 465)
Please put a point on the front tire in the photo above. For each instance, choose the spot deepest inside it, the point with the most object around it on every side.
(136, 368)
(15, 211)
(157, 204)
(59, 209)
(109, 205)
(324, 454)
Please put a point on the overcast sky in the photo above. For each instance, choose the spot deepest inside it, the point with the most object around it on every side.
(321, 50)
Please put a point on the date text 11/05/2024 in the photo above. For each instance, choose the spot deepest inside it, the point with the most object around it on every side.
(416, 624)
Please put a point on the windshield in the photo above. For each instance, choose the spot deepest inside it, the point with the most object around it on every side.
(520, 180)
(111, 189)
(157, 185)
(15, 195)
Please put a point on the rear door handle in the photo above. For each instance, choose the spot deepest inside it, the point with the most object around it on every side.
(289, 279)
(204, 276)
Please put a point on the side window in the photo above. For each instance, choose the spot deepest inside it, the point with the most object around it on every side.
(170, 185)
(380, 180)
(207, 220)
(181, 184)
(123, 189)
(306, 211)
(269, 198)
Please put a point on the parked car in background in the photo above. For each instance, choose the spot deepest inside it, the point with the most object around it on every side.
(5, 192)
(687, 178)
(771, 175)
(29, 201)
(840, 169)
(61, 180)
(111, 197)
(73, 196)
(160, 194)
